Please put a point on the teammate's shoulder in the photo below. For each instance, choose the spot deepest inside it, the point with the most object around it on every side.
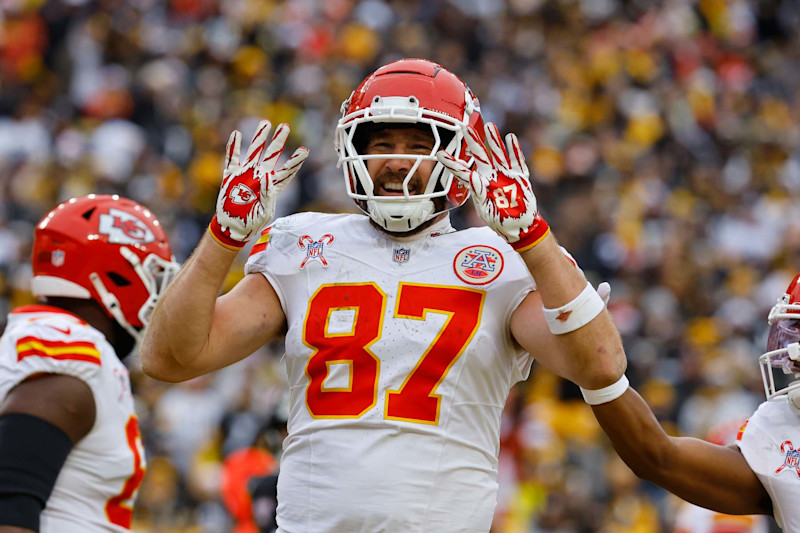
(47, 340)
(769, 417)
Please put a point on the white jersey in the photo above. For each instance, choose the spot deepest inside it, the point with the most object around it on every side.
(96, 487)
(399, 359)
(770, 442)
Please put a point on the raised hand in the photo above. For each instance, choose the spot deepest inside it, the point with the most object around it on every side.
(246, 200)
(501, 187)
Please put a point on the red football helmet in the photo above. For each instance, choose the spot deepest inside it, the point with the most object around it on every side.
(105, 248)
(783, 343)
(408, 91)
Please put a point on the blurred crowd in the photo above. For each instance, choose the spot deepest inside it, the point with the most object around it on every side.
(664, 145)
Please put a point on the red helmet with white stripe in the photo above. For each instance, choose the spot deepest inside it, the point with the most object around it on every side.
(105, 248)
(408, 91)
(783, 343)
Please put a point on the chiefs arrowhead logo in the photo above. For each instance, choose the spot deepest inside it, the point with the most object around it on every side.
(122, 227)
(241, 194)
(563, 316)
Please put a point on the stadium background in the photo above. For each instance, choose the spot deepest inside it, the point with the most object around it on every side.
(663, 141)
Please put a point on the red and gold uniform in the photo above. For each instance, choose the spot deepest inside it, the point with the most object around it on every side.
(399, 360)
(770, 441)
(96, 487)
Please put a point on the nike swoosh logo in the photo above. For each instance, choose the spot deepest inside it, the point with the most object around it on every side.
(65, 331)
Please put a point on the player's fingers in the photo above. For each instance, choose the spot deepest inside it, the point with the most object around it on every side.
(604, 291)
(462, 172)
(289, 170)
(499, 155)
(275, 148)
(232, 150)
(456, 167)
(258, 143)
(475, 145)
(516, 157)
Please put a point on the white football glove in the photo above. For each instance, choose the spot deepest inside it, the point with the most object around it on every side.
(501, 187)
(246, 200)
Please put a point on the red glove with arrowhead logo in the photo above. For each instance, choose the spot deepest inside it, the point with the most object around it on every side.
(246, 200)
(501, 188)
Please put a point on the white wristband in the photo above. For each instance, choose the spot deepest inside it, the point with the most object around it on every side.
(606, 394)
(575, 314)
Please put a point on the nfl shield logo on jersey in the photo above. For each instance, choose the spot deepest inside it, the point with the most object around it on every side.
(314, 248)
(401, 255)
(791, 459)
(478, 265)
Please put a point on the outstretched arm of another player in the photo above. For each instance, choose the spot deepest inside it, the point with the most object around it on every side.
(192, 331)
(564, 323)
(708, 475)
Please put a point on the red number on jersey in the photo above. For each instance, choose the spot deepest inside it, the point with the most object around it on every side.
(416, 400)
(368, 303)
(117, 512)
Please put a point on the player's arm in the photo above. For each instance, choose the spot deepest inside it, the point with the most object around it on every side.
(192, 331)
(708, 475)
(591, 355)
(572, 334)
(41, 419)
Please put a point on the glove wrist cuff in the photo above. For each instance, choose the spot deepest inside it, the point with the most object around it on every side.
(533, 236)
(224, 239)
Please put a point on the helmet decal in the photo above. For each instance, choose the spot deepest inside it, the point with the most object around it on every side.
(122, 227)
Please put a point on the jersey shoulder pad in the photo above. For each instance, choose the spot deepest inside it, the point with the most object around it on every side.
(487, 236)
(289, 233)
(305, 222)
(51, 345)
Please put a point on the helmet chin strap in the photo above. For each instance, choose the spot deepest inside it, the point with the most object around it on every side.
(400, 217)
(111, 304)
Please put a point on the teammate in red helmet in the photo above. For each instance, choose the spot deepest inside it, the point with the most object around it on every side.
(71, 459)
(403, 335)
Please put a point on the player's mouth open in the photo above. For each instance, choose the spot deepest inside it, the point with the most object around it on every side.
(394, 188)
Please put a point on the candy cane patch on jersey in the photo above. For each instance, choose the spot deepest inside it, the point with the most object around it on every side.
(791, 458)
(478, 264)
(314, 248)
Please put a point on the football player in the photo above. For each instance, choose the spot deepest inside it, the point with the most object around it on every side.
(71, 459)
(403, 335)
(760, 472)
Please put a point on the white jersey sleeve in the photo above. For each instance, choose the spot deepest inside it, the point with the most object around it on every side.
(770, 442)
(95, 489)
(399, 359)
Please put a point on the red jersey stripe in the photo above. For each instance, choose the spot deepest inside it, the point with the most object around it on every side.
(76, 351)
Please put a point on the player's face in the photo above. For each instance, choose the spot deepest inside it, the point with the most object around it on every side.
(388, 174)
